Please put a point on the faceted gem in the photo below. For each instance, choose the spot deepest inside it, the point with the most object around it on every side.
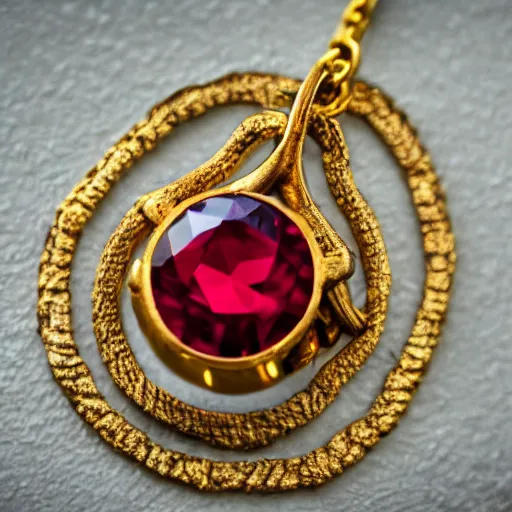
(232, 276)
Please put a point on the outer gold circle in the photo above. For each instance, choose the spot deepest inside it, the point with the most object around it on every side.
(222, 374)
(352, 442)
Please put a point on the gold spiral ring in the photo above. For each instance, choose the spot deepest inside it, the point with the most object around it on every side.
(352, 442)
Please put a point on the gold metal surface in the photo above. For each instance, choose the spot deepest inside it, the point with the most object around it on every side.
(352, 442)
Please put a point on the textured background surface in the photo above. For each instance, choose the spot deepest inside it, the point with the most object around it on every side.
(74, 76)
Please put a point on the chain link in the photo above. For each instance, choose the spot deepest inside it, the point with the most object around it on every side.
(354, 21)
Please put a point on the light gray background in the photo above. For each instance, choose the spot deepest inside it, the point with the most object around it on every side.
(74, 76)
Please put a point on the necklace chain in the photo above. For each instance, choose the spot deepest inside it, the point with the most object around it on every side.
(354, 21)
(342, 59)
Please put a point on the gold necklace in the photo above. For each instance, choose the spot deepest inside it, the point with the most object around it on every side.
(262, 282)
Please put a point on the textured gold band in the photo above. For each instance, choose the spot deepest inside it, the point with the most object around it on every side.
(351, 443)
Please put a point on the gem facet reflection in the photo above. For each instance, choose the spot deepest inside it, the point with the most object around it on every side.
(232, 276)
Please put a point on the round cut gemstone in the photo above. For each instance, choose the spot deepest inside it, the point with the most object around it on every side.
(232, 276)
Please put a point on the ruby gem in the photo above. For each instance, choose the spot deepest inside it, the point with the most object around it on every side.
(232, 276)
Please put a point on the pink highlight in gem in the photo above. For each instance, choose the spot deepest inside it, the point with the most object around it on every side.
(232, 276)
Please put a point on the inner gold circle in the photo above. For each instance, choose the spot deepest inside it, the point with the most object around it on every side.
(261, 427)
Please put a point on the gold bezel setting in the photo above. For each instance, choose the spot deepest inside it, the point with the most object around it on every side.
(227, 375)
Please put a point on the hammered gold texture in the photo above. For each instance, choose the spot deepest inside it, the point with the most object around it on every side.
(258, 428)
(352, 442)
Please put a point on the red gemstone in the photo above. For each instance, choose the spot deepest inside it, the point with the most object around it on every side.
(232, 276)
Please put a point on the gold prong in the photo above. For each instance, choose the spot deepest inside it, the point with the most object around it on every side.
(134, 279)
(338, 267)
(350, 316)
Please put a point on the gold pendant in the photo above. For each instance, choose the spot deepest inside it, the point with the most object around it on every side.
(328, 308)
